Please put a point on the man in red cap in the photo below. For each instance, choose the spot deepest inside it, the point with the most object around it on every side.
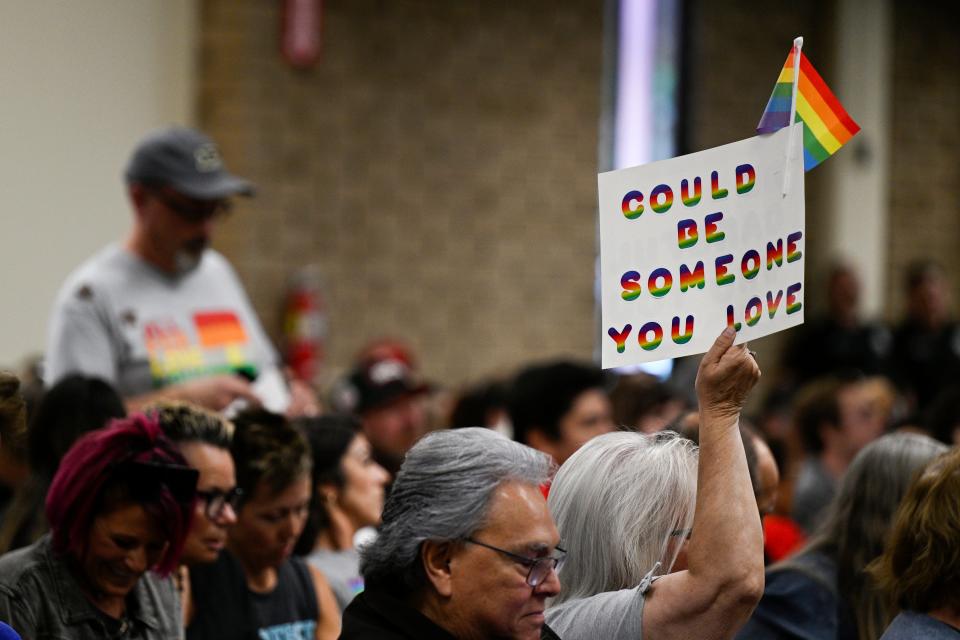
(388, 399)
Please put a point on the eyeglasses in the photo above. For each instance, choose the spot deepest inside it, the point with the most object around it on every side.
(216, 501)
(540, 568)
(191, 209)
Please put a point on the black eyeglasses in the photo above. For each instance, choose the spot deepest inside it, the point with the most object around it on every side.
(216, 501)
(540, 568)
(191, 209)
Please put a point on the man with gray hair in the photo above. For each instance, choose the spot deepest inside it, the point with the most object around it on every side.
(467, 548)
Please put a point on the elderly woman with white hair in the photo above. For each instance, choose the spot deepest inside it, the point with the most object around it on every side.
(658, 545)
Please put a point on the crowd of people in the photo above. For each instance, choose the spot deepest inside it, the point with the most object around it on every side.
(167, 478)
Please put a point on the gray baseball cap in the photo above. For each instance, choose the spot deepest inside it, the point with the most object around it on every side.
(186, 160)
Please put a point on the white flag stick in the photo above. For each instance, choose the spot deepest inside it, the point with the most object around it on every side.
(797, 45)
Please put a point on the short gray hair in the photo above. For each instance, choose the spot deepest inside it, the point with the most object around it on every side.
(443, 493)
(616, 502)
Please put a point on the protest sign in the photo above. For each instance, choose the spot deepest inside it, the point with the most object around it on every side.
(692, 244)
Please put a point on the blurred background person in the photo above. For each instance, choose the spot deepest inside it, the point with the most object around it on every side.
(120, 505)
(387, 398)
(256, 588)
(14, 467)
(75, 405)
(823, 591)
(348, 494)
(926, 344)
(839, 339)
(642, 403)
(659, 543)
(920, 566)
(835, 418)
(942, 418)
(13, 408)
(203, 439)
(557, 407)
(12, 421)
(482, 405)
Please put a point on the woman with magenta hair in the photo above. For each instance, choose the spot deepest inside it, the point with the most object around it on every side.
(119, 510)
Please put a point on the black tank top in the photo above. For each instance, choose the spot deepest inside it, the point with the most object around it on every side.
(227, 610)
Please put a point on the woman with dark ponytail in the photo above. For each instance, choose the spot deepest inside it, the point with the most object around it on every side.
(348, 493)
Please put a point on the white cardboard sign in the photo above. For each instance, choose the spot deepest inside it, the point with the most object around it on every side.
(692, 244)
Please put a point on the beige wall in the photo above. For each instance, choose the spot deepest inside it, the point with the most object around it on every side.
(81, 81)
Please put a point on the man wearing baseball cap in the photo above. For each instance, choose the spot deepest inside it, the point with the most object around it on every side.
(161, 315)
(387, 398)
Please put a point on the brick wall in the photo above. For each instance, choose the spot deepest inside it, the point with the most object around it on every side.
(438, 165)
(925, 145)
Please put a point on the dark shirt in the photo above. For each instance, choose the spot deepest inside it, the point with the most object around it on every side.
(909, 625)
(800, 602)
(822, 347)
(376, 615)
(226, 609)
(925, 360)
(40, 598)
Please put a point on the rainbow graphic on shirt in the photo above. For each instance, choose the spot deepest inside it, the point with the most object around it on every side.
(217, 344)
(826, 124)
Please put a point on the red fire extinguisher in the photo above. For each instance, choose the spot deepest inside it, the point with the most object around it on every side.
(305, 325)
(300, 32)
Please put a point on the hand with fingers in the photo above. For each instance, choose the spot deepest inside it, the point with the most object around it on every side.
(726, 375)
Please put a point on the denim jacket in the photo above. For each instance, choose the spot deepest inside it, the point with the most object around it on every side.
(41, 600)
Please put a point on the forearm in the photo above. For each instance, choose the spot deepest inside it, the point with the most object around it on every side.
(724, 576)
(727, 542)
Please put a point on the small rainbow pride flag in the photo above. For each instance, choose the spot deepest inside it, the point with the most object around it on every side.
(826, 125)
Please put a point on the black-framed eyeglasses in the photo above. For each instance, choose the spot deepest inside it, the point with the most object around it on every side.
(540, 568)
(191, 209)
(215, 501)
